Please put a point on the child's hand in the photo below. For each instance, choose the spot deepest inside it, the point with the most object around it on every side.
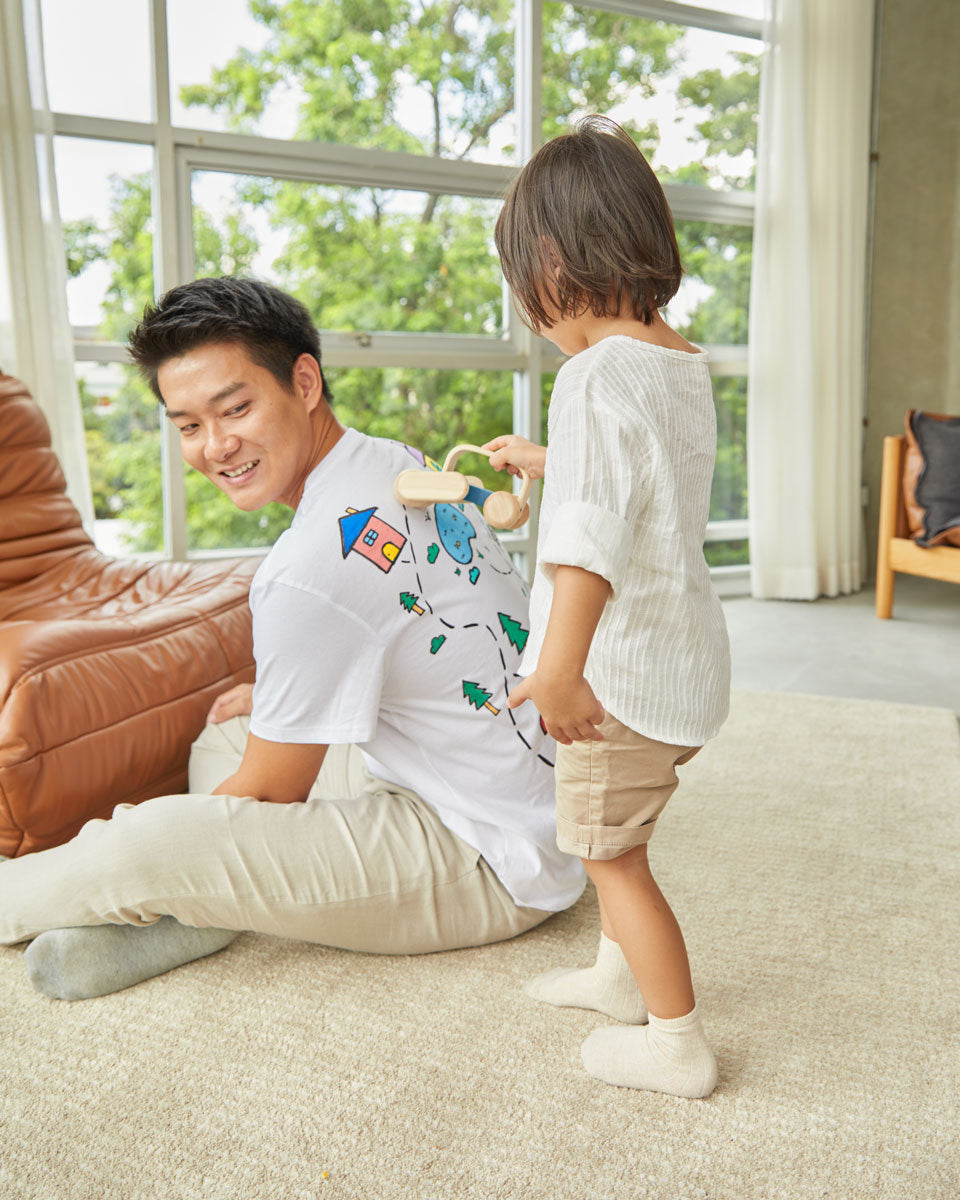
(570, 710)
(513, 452)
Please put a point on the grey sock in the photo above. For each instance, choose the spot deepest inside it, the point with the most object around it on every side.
(76, 964)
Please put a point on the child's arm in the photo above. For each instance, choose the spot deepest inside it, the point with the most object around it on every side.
(570, 710)
(513, 452)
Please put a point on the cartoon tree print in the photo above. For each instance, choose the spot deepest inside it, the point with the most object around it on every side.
(437, 642)
(478, 696)
(515, 632)
(409, 602)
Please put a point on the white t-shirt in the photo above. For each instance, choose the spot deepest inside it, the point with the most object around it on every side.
(401, 630)
(631, 442)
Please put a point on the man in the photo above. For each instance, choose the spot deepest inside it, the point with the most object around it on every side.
(372, 791)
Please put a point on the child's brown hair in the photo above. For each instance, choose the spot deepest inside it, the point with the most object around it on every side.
(588, 210)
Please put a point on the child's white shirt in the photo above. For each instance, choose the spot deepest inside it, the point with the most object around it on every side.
(631, 444)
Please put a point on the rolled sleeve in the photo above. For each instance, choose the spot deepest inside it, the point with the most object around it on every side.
(588, 536)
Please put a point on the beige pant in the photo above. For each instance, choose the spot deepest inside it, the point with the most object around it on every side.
(362, 864)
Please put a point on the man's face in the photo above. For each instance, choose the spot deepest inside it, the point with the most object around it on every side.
(238, 426)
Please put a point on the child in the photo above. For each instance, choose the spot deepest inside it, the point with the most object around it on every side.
(628, 660)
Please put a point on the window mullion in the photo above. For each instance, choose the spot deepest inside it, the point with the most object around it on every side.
(349, 166)
(528, 56)
(683, 14)
(167, 272)
(724, 206)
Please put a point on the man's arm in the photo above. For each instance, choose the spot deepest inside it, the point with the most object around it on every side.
(279, 772)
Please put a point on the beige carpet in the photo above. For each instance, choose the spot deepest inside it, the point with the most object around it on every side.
(812, 858)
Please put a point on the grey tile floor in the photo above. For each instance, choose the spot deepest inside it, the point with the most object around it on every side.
(840, 648)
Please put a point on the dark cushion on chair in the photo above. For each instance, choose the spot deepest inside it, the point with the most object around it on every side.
(931, 478)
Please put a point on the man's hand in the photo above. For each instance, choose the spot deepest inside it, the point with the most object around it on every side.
(238, 702)
(513, 452)
(570, 710)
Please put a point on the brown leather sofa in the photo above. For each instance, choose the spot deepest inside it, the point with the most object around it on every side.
(107, 666)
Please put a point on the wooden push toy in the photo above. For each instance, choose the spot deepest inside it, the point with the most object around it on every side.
(419, 487)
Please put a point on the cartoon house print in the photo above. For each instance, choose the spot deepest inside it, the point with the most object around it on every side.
(368, 535)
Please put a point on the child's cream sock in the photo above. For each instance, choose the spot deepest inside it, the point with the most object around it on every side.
(667, 1056)
(608, 986)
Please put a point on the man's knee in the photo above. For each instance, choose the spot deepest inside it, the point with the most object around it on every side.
(164, 828)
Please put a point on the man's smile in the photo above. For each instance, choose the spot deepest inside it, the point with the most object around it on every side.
(241, 472)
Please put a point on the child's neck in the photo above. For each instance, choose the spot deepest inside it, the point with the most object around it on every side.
(574, 334)
(657, 333)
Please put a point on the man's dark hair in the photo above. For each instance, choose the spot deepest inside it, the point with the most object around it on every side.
(588, 210)
(273, 328)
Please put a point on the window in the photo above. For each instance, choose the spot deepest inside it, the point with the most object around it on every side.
(355, 155)
(388, 259)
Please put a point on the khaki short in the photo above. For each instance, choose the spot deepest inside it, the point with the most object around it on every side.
(610, 793)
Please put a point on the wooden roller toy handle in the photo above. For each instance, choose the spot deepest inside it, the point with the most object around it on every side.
(526, 483)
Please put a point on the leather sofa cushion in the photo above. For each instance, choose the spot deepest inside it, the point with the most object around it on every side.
(38, 522)
(107, 666)
(107, 670)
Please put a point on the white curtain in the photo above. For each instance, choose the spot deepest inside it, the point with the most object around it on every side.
(807, 301)
(35, 338)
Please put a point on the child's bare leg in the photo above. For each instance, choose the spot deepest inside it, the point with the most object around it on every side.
(641, 920)
(671, 1054)
(605, 923)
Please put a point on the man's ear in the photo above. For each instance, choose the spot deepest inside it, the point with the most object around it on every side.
(308, 381)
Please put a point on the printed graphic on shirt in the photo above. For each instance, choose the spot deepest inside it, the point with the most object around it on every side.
(456, 533)
(478, 696)
(447, 527)
(516, 634)
(368, 535)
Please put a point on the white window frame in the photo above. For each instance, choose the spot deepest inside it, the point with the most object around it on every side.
(178, 151)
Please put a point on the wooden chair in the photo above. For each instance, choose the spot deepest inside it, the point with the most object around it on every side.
(896, 551)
